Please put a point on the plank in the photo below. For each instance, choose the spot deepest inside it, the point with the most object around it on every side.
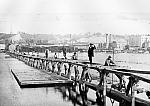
(39, 79)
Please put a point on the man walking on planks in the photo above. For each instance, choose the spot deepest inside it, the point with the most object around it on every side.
(91, 52)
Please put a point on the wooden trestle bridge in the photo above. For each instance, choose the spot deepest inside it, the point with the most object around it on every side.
(65, 71)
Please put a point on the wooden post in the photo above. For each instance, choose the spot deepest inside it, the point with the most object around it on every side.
(46, 66)
(31, 61)
(83, 72)
(129, 85)
(38, 63)
(43, 65)
(75, 69)
(133, 95)
(53, 66)
(113, 54)
(69, 72)
(104, 91)
(28, 61)
(50, 66)
(76, 74)
(59, 67)
(65, 68)
(101, 77)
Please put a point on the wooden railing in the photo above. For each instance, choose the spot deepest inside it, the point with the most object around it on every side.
(82, 75)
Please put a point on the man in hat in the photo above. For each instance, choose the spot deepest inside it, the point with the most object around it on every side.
(91, 52)
(64, 52)
(46, 53)
(74, 56)
(109, 62)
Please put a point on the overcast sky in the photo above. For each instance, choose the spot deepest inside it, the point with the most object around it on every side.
(75, 16)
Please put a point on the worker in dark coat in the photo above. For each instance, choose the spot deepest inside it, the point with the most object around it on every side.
(74, 56)
(109, 62)
(46, 53)
(64, 53)
(55, 56)
(91, 52)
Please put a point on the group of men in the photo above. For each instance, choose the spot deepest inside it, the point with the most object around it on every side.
(74, 56)
(92, 47)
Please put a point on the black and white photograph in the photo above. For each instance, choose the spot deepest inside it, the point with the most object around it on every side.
(74, 52)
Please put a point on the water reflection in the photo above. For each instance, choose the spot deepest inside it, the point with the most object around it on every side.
(77, 95)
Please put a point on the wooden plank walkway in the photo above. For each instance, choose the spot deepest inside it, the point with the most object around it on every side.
(28, 79)
(27, 76)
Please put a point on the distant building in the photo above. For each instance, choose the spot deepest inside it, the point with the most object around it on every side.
(121, 43)
(2, 46)
(15, 38)
(134, 41)
(81, 45)
(145, 41)
(101, 45)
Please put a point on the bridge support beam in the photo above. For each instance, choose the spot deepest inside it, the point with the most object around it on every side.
(104, 89)
(69, 72)
(133, 95)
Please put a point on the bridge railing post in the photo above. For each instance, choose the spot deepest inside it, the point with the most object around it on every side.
(28, 61)
(69, 71)
(76, 73)
(50, 66)
(104, 88)
(101, 77)
(46, 64)
(65, 68)
(133, 95)
(84, 71)
(59, 67)
(35, 61)
(53, 66)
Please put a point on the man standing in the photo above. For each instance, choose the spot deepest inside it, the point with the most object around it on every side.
(64, 52)
(55, 56)
(46, 53)
(91, 52)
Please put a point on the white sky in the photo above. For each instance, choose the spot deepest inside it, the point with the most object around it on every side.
(75, 16)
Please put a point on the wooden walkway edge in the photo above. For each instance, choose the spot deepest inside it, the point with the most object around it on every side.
(25, 83)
